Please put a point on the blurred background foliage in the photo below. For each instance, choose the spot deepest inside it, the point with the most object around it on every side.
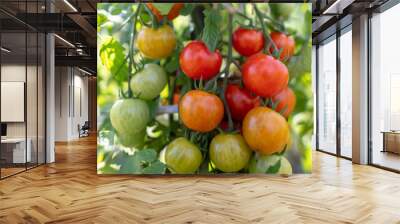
(114, 28)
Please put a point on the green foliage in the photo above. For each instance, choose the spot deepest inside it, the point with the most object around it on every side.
(187, 9)
(211, 33)
(141, 162)
(114, 59)
(274, 168)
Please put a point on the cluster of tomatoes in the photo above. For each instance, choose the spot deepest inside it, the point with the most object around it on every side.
(263, 128)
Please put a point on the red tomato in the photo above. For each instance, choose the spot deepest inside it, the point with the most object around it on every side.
(283, 42)
(198, 62)
(201, 111)
(264, 75)
(247, 41)
(286, 100)
(240, 101)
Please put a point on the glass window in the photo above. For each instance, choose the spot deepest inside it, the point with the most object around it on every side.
(346, 93)
(327, 96)
(14, 154)
(385, 89)
(22, 92)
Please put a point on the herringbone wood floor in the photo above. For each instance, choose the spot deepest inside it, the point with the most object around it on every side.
(69, 191)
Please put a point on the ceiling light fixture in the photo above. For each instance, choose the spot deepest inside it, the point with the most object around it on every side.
(84, 71)
(70, 5)
(5, 49)
(337, 7)
(65, 41)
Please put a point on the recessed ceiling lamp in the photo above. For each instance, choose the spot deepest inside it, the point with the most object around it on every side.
(5, 50)
(65, 41)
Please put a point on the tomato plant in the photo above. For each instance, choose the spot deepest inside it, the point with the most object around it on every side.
(248, 41)
(285, 101)
(201, 111)
(229, 152)
(182, 156)
(240, 101)
(264, 75)
(198, 62)
(156, 43)
(189, 88)
(149, 82)
(265, 130)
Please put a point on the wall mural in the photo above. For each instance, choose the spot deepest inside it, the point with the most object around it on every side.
(204, 88)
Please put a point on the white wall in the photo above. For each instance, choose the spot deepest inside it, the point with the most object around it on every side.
(71, 94)
(33, 127)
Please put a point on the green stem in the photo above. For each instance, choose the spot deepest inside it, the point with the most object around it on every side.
(242, 15)
(171, 86)
(266, 35)
(131, 46)
(225, 82)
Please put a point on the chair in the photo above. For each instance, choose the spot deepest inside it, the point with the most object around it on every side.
(84, 130)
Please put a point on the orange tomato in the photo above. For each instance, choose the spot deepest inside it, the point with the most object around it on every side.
(265, 130)
(286, 100)
(172, 14)
(201, 111)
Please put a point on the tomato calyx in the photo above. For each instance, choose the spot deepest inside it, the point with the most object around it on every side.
(270, 103)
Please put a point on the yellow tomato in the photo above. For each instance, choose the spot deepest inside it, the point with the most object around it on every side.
(156, 43)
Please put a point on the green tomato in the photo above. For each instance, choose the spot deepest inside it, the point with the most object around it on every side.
(229, 152)
(129, 116)
(135, 140)
(149, 82)
(182, 156)
(270, 164)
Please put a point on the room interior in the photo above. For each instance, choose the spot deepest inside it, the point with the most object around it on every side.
(48, 92)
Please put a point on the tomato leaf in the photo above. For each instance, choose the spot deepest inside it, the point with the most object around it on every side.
(211, 32)
(141, 162)
(113, 58)
(275, 168)
(164, 8)
(101, 18)
(173, 64)
(146, 155)
(187, 9)
(156, 167)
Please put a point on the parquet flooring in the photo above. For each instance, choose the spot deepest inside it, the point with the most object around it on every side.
(69, 191)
